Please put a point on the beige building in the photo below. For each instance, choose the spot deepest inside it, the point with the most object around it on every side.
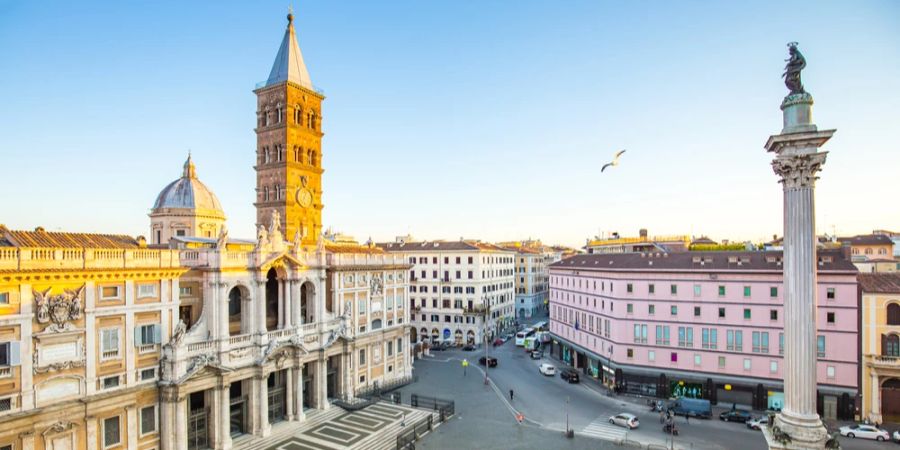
(460, 292)
(871, 252)
(532, 272)
(82, 321)
(642, 243)
(880, 339)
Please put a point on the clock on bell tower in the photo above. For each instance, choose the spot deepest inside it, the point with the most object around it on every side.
(289, 145)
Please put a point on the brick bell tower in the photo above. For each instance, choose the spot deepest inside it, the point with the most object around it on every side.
(289, 145)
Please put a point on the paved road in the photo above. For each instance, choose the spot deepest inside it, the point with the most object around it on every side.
(547, 403)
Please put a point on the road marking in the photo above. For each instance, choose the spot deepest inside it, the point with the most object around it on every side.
(600, 428)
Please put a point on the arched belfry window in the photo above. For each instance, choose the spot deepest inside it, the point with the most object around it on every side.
(893, 314)
(265, 193)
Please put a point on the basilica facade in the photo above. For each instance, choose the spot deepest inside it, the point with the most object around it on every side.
(194, 339)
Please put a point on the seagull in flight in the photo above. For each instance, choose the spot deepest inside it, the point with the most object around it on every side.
(614, 162)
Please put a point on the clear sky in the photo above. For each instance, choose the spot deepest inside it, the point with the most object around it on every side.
(484, 119)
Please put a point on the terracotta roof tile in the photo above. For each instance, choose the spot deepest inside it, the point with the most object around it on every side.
(880, 283)
(42, 238)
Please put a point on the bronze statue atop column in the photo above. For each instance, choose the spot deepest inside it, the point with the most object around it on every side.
(795, 64)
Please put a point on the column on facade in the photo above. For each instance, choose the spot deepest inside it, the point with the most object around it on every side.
(289, 393)
(261, 391)
(166, 420)
(260, 309)
(322, 382)
(295, 303)
(875, 398)
(288, 303)
(131, 424)
(27, 372)
(181, 419)
(281, 304)
(90, 433)
(27, 440)
(297, 380)
(223, 416)
(222, 325)
(347, 383)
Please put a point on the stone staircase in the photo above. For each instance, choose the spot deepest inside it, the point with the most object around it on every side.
(283, 430)
(386, 439)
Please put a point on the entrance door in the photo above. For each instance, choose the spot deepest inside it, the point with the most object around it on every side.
(829, 407)
(277, 396)
(890, 400)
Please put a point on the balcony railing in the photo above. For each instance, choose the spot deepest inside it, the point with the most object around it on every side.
(883, 361)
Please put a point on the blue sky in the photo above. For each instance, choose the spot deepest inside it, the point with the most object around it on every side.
(443, 119)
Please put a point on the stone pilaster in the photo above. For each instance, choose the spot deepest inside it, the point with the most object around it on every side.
(298, 397)
(261, 391)
(223, 410)
(131, 424)
(27, 440)
(167, 428)
(797, 162)
(181, 422)
(321, 379)
(260, 308)
(91, 436)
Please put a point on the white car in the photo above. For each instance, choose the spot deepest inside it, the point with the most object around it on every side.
(547, 369)
(625, 420)
(865, 432)
(897, 436)
(755, 424)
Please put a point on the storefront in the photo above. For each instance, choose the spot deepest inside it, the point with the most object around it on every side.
(685, 389)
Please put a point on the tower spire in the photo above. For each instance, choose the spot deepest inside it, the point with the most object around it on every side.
(289, 65)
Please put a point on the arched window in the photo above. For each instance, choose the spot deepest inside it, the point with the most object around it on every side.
(277, 192)
(893, 314)
(309, 156)
(298, 115)
(855, 251)
(882, 251)
(313, 159)
(267, 157)
(265, 193)
(296, 154)
(892, 345)
(376, 324)
(868, 251)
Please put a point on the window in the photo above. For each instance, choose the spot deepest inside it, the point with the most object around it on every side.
(361, 306)
(629, 288)
(651, 288)
(109, 293)
(651, 309)
(893, 314)
(721, 313)
(148, 374)
(390, 348)
(148, 420)
(710, 338)
(184, 291)
(829, 371)
(773, 314)
(734, 340)
(747, 313)
(146, 290)
(746, 363)
(673, 289)
(721, 291)
(773, 292)
(109, 382)
(722, 362)
(890, 345)
(4, 298)
(111, 434)
(780, 343)
(829, 317)
(674, 357)
(820, 346)
(629, 308)
(696, 311)
(362, 357)
(630, 353)
(674, 310)
(760, 342)
(685, 336)
(651, 355)
(662, 335)
(697, 359)
(9, 354)
(109, 343)
(773, 366)
(399, 345)
(640, 334)
(829, 293)
(696, 290)
(746, 291)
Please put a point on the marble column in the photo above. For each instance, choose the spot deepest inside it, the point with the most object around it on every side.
(321, 381)
(131, 424)
(875, 398)
(260, 309)
(797, 163)
(281, 304)
(298, 393)
(261, 391)
(223, 301)
(167, 427)
(288, 303)
(289, 393)
(223, 410)
(92, 437)
(347, 385)
(181, 422)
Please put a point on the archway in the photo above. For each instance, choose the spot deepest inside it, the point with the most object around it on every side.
(890, 400)
(272, 293)
(413, 335)
(435, 336)
(470, 337)
(307, 301)
(423, 334)
(458, 337)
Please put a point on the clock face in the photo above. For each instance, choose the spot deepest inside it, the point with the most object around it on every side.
(304, 197)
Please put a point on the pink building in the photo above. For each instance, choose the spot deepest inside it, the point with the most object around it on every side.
(701, 324)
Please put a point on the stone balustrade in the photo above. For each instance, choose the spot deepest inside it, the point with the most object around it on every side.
(883, 361)
(364, 259)
(44, 258)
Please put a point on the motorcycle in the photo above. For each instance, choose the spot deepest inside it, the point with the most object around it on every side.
(670, 428)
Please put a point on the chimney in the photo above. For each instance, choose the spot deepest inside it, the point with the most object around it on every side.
(845, 251)
(642, 232)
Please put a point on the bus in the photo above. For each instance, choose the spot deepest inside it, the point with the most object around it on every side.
(522, 335)
(540, 326)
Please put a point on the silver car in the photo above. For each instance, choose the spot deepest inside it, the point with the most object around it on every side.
(865, 432)
(625, 420)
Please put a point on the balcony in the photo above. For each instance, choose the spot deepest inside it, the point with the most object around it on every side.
(883, 362)
(476, 311)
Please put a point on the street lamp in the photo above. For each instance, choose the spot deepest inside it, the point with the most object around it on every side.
(487, 314)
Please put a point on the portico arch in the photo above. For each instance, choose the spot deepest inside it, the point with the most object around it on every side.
(237, 317)
(307, 301)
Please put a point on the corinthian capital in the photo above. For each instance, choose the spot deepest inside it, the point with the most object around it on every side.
(798, 171)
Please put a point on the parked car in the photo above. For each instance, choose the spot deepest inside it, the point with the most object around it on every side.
(537, 354)
(570, 375)
(897, 436)
(547, 369)
(489, 361)
(498, 342)
(440, 346)
(865, 432)
(737, 415)
(469, 348)
(625, 420)
(756, 423)
(695, 407)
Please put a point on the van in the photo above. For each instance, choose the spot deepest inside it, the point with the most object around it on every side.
(695, 407)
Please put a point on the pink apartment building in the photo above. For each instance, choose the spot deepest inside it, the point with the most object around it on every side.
(701, 324)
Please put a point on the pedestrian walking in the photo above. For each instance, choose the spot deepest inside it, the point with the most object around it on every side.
(510, 395)
(687, 417)
(662, 417)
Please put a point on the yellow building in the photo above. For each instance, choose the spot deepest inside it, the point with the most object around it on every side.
(82, 320)
(871, 252)
(880, 384)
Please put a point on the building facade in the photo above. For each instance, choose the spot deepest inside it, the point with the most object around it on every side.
(461, 292)
(701, 324)
(642, 243)
(880, 363)
(872, 253)
(83, 318)
(532, 272)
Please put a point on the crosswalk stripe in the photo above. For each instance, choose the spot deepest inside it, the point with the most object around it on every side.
(600, 428)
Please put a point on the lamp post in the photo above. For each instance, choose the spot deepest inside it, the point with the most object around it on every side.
(487, 314)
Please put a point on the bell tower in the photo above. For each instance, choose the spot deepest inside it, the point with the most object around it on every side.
(289, 145)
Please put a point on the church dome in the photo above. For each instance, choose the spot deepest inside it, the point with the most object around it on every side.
(188, 192)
